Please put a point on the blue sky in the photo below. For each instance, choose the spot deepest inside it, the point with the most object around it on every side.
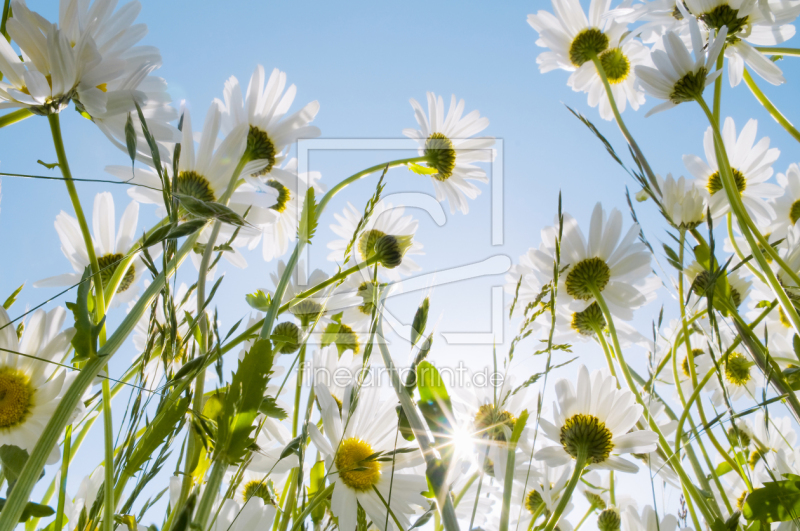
(363, 61)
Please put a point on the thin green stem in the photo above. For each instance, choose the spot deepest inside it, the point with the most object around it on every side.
(566, 495)
(62, 491)
(14, 117)
(108, 439)
(777, 50)
(298, 388)
(585, 516)
(739, 254)
(769, 106)
(209, 494)
(316, 500)
(628, 136)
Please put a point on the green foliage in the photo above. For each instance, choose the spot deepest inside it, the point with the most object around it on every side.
(48, 165)
(13, 297)
(210, 210)
(420, 321)
(130, 139)
(776, 501)
(174, 231)
(308, 217)
(86, 332)
(421, 170)
(32, 510)
(168, 419)
(258, 301)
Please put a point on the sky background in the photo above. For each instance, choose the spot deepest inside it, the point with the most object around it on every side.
(363, 61)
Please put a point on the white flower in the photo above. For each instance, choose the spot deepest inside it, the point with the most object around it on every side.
(574, 40)
(445, 139)
(659, 17)
(351, 437)
(235, 516)
(749, 22)
(772, 435)
(684, 204)
(354, 298)
(594, 420)
(751, 164)
(386, 220)
(264, 112)
(535, 484)
(334, 371)
(647, 521)
(110, 246)
(84, 498)
(676, 78)
(87, 56)
(32, 388)
(787, 205)
(311, 309)
(618, 268)
(699, 280)
(277, 216)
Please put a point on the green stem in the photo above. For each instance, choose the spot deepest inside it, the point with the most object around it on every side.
(15, 504)
(288, 507)
(62, 492)
(776, 50)
(585, 516)
(108, 484)
(739, 254)
(298, 389)
(770, 107)
(4, 32)
(316, 500)
(628, 136)
(14, 117)
(209, 494)
(686, 409)
(718, 87)
(280, 289)
(665, 447)
(580, 463)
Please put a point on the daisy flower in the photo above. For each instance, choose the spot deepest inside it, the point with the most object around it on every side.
(738, 376)
(32, 388)
(647, 520)
(277, 216)
(446, 140)
(351, 437)
(311, 309)
(699, 279)
(334, 371)
(535, 485)
(84, 498)
(386, 220)
(263, 112)
(354, 298)
(659, 17)
(110, 246)
(594, 423)
(751, 164)
(236, 516)
(618, 268)
(771, 436)
(164, 359)
(93, 48)
(486, 496)
(675, 77)
(787, 205)
(683, 204)
(762, 23)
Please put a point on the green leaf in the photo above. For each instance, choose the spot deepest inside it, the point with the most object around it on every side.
(317, 484)
(421, 170)
(13, 460)
(210, 210)
(404, 425)
(32, 510)
(422, 520)
(420, 321)
(270, 408)
(795, 345)
(430, 383)
(703, 255)
(776, 501)
(130, 138)
(308, 218)
(436, 408)
(672, 257)
(168, 419)
(86, 333)
(292, 447)
(259, 300)
(48, 165)
(13, 297)
(188, 368)
(244, 399)
(151, 141)
(174, 231)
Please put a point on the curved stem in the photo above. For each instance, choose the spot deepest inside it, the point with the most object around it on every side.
(739, 254)
(580, 463)
(14, 117)
(770, 107)
(777, 50)
(628, 136)
(316, 500)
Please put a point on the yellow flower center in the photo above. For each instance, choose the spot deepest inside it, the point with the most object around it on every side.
(441, 156)
(587, 44)
(737, 369)
(195, 185)
(588, 273)
(685, 365)
(354, 471)
(284, 195)
(367, 241)
(16, 397)
(261, 147)
(794, 212)
(489, 422)
(257, 489)
(715, 182)
(586, 321)
(616, 65)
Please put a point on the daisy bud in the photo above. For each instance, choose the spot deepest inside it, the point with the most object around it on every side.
(609, 520)
(595, 500)
(390, 250)
(288, 334)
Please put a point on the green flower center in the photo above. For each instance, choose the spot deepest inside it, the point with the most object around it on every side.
(365, 291)
(725, 15)
(489, 422)
(616, 65)
(689, 87)
(715, 182)
(534, 501)
(284, 195)
(441, 156)
(740, 500)
(587, 44)
(794, 212)
(609, 520)
(289, 335)
(737, 369)
(307, 311)
(257, 489)
(588, 435)
(595, 500)
(586, 274)
(16, 394)
(588, 320)
(354, 472)
(260, 147)
(195, 185)
(738, 437)
(108, 265)
(367, 241)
